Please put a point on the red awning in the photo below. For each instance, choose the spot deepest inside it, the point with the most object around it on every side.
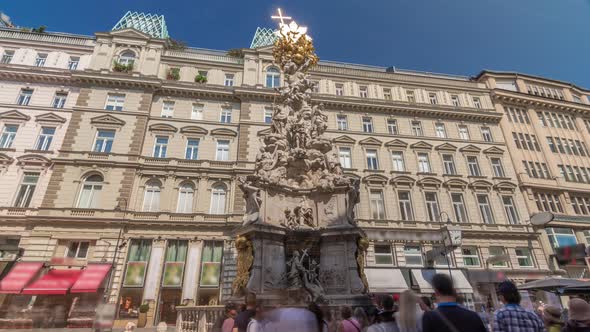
(91, 278)
(19, 276)
(55, 282)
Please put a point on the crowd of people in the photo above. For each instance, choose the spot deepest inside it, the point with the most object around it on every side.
(411, 314)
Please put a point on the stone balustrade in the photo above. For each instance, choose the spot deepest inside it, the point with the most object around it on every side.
(197, 318)
(53, 38)
(207, 55)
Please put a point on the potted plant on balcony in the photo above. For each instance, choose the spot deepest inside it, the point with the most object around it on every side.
(200, 78)
(142, 318)
(121, 68)
(173, 74)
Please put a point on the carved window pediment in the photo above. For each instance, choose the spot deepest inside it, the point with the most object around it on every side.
(396, 143)
(344, 140)
(194, 130)
(163, 127)
(33, 160)
(375, 179)
(130, 32)
(370, 141)
(14, 115)
(264, 132)
(403, 181)
(470, 148)
(429, 182)
(493, 150)
(421, 145)
(446, 147)
(5, 159)
(223, 132)
(107, 120)
(481, 185)
(456, 184)
(50, 117)
(505, 187)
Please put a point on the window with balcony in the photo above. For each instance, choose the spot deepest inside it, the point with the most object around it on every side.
(24, 97)
(372, 161)
(392, 126)
(344, 155)
(115, 102)
(186, 194)
(449, 164)
(192, 149)
(383, 254)
(470, 256)
(59, 100)
(45, 138)
(90, 193)
(161, 147)
(405, 205)
(103, 142)
(8, 136)
(167, 109)
(485, 209)
(273, 78)
(222, 151)
(377, 204)
(413, 255)
(417, 128)
(151, 197)
(510, 210)
(342, 122)
(26, 190)
(398, 161)
(432, 206)
(127, 58)
(367, 124)
(218, 198)
(459, 207)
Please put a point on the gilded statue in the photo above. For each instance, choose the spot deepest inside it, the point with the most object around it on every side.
(244, 263)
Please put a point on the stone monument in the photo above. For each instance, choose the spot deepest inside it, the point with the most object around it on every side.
(299, 241)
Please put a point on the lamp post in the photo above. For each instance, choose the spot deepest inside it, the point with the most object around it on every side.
(451, 238)
(118, 246)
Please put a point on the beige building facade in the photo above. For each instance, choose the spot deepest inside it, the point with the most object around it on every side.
(148, 145)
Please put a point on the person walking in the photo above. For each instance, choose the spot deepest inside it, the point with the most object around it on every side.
(409, 315)
(361, 316)
(512, 317)
(348, 323)
(552, 318)
(244, 317)
(449, 316)
(385, 317)
(579, 316)
(256, 324)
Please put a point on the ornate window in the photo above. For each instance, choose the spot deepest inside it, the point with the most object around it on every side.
(432, 206)
(218, 199)
(483, 201)
(423, 163)
(229, 80)
(160, 146)
(41, 59)
(59, 100)
(26, 190)
(342, 122)
(192, 149)
(24, 97)
(127, 58)
(344, 154)
(417, 128)
(115, 102)
(405, 205)
(449, 164)
(339, 89)
(367, 124)
(372, 161)
(473, 166)
(90, 193)
(377, 204)
(486, 134)
(45, 138)
(8, 135)
(273, 77)
(104, 141)
(397, 158)
(441, 132)
(186, 195)
(151, 197)
(392, 126)
(463, 132)
(73, 62)
(222, 152)
(459, 207)
(225, 116)
(497, 167)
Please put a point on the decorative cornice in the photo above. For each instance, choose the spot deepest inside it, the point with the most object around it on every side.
(526, 100)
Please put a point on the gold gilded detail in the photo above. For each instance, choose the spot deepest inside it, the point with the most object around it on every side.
(362, 245)
(244, 262)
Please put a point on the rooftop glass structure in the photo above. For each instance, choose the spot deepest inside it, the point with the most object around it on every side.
(153, 25)
(263, 37)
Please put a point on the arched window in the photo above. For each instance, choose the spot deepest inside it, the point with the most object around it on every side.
(273, 77)
(186, 194)
(151, 198)
(127, 58)
(90, 193)
(218, 195)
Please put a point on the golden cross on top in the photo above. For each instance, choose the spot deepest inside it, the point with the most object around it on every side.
(281, 17)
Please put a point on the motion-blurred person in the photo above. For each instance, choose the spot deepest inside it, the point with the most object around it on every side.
(579, 316)
(291, 320)
(256, 324)
(348, 323)
(512, 317)
(425, 303)
(319, 316)
(361, 316)
(244, 317)
(409, 315)
(552, 318)
(385, 317)
(449, 316)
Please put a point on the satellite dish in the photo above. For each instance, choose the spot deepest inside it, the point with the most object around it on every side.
(542, 218)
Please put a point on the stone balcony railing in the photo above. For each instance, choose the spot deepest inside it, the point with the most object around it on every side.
(53, 38)
(197, 318)
(206, 55)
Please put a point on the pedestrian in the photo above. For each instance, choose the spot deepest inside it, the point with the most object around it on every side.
(512, 317)
(425, 303)
(409, 315)
(385, 318)
(348, 323)
(579, 316)
(372, 315)
(449, 316)
(256, 324)
(244, 317)
(319, 315)
(552, 318)
(229, 313)
(361, 316)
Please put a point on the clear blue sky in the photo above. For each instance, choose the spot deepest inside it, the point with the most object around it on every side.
(549, 38)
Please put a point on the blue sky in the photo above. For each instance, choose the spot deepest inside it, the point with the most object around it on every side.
(542, 37)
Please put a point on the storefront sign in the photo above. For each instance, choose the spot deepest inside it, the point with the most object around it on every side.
(173, 274)
(210, 274)
(135, 274)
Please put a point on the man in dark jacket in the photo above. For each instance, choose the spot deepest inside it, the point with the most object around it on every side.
(449, 315)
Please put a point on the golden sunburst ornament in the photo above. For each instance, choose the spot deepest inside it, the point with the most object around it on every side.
(294, 44)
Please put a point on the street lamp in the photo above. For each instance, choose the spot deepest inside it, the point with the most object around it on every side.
(451, 238)
(118, 246)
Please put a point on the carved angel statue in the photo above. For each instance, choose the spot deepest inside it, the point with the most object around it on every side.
(253, 201)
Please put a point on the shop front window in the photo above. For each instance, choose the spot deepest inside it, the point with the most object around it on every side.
(172, 277)
(210, 273)
(134, 277)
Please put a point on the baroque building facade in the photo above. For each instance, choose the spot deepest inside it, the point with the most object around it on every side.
(119, 149)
